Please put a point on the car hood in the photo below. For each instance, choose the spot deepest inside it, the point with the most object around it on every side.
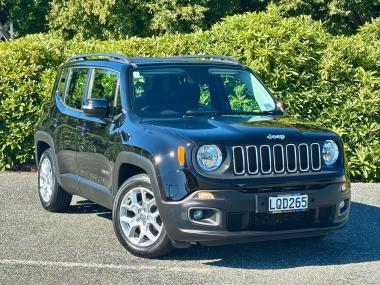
(241, 129)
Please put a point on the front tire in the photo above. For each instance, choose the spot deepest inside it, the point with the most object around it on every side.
(52, 196)
(136, 219)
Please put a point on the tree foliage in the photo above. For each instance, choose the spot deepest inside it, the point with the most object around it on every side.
(152, 17)
(339, 16)
(176, 15)
(28, 16)
(118, 19)
(111, 19)
(102, 19)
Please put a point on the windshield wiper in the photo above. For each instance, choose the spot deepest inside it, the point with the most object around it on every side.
(201, 113)
(249, 113)
(216, 113)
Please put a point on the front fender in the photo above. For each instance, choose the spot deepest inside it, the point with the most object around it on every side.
(169, 185)
(137, 160)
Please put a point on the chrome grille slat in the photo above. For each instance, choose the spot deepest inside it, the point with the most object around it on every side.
(276, 159)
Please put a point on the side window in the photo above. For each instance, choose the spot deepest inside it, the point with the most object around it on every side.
(104, 85)
(77, 85)
(62, 81)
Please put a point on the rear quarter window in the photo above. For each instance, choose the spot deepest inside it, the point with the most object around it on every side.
(60, 91)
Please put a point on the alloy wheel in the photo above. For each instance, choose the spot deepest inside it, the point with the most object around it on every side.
(46, 184)
(139, 217)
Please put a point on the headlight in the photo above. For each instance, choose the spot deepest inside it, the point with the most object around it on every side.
(330, 152)
(209, 157)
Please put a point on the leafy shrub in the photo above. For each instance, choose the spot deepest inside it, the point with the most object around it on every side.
(332, 81)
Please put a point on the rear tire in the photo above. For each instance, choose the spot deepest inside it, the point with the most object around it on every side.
(136, 219)
(52, 196)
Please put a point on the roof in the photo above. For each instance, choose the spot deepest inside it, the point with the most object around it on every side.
(144, 61)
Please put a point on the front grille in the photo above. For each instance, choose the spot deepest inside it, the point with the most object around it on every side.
(276, 159)
(251, 221)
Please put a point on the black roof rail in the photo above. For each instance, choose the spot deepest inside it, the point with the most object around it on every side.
(111, 56)
(210, 56)
(128, 60)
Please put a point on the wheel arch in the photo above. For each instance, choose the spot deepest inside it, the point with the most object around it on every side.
(139, 165)
(43, 141)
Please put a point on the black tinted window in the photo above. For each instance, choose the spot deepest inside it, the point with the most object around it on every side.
(192, 90)
(76, 87)
(104, 85)
(62, 82)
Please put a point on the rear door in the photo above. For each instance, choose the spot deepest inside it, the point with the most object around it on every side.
(67, 131)
(99, 139)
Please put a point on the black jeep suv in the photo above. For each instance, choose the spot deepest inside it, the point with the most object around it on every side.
(187, 149)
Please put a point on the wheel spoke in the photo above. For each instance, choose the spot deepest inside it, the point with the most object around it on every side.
(141, 236)
(134, 198)
(128, 220)
(150, 235)
(157, 226)
(125, 206)
(43, 167)
(132, 229)
(150, 203)
(143, 197)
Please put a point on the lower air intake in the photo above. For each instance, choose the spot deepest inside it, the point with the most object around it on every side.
(251, 221)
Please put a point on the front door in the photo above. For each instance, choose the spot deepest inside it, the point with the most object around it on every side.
(98, 140)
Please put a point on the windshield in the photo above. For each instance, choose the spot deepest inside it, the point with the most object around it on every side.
(198, 90)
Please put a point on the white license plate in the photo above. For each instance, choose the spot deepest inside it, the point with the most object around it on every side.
(288, 203)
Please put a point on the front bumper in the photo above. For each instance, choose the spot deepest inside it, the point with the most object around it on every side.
(244, 216)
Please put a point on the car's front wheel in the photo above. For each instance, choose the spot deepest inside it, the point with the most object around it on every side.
(52, 196)
(136, 219)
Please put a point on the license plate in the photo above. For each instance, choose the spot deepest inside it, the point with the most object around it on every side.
(288, 203)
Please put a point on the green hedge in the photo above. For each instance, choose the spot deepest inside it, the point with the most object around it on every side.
(331, 81)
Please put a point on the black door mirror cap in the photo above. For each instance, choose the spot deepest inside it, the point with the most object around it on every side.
(96, 107)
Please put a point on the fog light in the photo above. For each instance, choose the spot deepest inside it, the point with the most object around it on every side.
(204, 196)
(198, 215)
(343, 206)
(205, 216)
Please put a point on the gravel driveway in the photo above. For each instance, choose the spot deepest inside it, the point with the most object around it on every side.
(79, 247)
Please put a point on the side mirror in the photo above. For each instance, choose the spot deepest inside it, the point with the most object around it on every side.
(96, 107)
(280, 106)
